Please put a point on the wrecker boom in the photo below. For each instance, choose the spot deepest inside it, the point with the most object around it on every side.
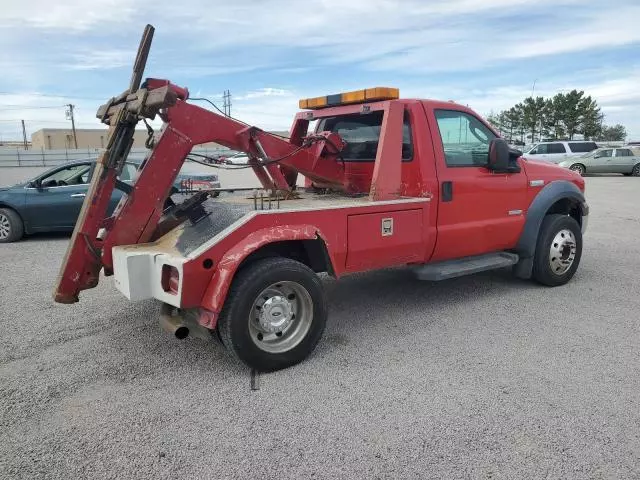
(138, 218)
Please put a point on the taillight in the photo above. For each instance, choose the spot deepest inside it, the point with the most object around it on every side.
(170, 279)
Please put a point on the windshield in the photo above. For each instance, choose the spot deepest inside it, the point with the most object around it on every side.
(590, 154)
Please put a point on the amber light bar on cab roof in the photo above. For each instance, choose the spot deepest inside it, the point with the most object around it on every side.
(346, 98)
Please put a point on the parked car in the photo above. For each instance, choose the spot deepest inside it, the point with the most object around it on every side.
(239, 158)
(52, 201)
(606, 160)
(558, 151)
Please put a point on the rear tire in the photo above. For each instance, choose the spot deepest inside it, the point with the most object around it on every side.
(274, 314)
(11, 226)
(558, 250)
(578, 168)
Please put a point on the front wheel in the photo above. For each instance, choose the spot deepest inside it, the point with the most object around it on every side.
(636, 170)
(274, 314)
(11, 227)
(558, 250)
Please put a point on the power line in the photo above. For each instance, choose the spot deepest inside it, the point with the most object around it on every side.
(226, 97)
(8, 108)
(73, 123)
(50, 95)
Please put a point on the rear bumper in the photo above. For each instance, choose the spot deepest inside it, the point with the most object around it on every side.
(137, 273)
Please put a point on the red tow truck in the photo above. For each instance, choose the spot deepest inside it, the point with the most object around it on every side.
(389, 182)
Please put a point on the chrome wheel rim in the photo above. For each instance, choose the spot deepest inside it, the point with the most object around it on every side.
(562, 252)
(5, 227)
(577, 168)
(280, 317)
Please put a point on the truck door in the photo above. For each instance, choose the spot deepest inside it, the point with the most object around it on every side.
(479, 211)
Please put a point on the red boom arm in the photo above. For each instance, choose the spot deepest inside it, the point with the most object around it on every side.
(276, 162)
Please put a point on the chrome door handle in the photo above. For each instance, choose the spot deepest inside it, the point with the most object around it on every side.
(78, 195)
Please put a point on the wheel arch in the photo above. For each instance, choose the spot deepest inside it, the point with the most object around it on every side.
(561, 197)
(303, 243)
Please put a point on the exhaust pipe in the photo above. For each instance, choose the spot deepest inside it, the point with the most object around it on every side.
(172, 324)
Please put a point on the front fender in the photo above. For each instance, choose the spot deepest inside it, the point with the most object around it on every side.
(218, 288)
(550, 194)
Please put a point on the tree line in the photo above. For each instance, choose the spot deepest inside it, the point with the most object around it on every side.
(561, 117)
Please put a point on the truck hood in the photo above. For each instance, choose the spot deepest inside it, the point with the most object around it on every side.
(540, 170)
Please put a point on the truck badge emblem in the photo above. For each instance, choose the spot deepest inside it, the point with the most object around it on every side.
(387, 227)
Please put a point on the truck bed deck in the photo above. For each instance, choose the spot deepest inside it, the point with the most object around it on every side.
(306, 201)
(225, 211)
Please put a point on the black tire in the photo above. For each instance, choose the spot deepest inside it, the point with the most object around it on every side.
(249, 284)
(11, 221)
(636, 170)
(578, 168)
(551, 229)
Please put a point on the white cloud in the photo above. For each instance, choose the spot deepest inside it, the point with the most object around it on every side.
(264, 92)
(102, 59)
(609, 28)
(198, 41)
(68, 15)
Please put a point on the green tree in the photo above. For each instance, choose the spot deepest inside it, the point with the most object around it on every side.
(572, 112)
(533, 112)
(554, 115)
(592, 118)
(516, 113)
(613, 133)
(494, 121)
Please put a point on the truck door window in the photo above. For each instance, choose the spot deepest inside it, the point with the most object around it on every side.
(73, 175)
(557, 148)
(604, 153)
(361, 132)
(128, 171)
(465, 139)
(582, 147)
(540, 149)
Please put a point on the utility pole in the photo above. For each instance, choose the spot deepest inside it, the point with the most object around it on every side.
(24, 135)
(73, 123)
(226, 97)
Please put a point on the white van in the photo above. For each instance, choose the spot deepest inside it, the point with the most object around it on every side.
(559, 151)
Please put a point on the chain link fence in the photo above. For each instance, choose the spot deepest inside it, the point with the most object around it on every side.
(14, 157)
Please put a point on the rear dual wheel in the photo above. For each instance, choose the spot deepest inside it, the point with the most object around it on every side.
(274, 314)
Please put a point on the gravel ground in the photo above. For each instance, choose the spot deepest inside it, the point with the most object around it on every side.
(478, 377)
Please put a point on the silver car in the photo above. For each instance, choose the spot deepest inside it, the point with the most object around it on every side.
(606, 160)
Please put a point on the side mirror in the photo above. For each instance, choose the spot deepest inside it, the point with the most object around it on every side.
(502, 159)
(37, 184)
(498, 155)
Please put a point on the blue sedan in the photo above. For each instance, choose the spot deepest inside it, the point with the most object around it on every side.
(51, 202)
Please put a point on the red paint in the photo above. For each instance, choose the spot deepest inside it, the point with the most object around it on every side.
(402, 242)
(385, 181)
(476, 221)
